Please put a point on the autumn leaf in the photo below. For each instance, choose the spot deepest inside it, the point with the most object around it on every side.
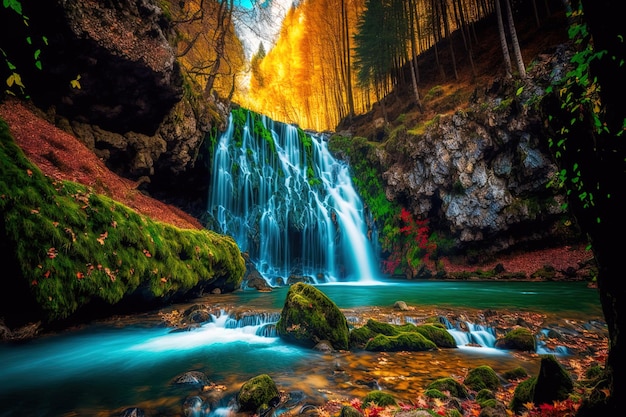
(163, 280)
(46, 274)
(34, 211)
(29, 172)
(147, 253)
(102, 237)
(80, 275)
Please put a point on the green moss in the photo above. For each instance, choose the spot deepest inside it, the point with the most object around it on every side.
(553, 382)
(405, 341)
(524, 393)
(482, 377)
(516, 373)
(439, 335)
(349, 411)
(380, 398)
(451, 385)
(70, 246)
(309, 316)
(380, 336)
(519, 338)
(257, 393)
(435, 393)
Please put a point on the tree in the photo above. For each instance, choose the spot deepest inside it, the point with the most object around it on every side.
(588, 121)
(207, 45)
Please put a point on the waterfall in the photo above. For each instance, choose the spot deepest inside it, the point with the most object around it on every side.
(289, 203)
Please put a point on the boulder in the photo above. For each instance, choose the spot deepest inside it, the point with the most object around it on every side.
(309, 317)
(519, 338)
(259, 392)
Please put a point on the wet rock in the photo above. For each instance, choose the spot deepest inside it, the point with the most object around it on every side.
(257, 393)
(133, 412)
(193, 378)
(400, 305)
(309, 316)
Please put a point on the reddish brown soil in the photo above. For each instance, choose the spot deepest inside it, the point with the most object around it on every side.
(62, 156)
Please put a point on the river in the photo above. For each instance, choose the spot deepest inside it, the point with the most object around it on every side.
(103, 368)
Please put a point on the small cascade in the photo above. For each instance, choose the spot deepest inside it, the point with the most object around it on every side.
(470, 334)
(543, 349)
(289, 203)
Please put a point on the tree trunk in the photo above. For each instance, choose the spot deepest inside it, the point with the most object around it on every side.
(519, 60)
(508, 67)
(348, 64)
(598, 151)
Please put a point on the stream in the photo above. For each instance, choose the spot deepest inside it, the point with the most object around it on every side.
(104, 368)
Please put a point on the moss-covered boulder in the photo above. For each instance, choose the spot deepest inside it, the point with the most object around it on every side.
(454, 387)
(407, 341)
(553, 382)
(484, 398)
(380, 398)
(309, 316)
(519, 338)
(349, 411)
(379, 336)
(482, 377)
(257, 393)
(524, 392)
(515, 374)
(437, 334)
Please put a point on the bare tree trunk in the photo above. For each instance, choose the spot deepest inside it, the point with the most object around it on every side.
(508, 67)
(446, 26)
(413, 59)
(436, 25)
(346, 52)
(519, 60)
(464, 28)
(224, 18)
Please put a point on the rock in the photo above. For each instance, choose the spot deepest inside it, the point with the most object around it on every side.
(553, 382)
(400, 305)
(309, 316)
(193, 378)
(482, 377)
(132, 412)
(451, 385)
(193, 406)
(380, 398)
(379, 336)
(519, 338)
(257, 393)
(349, 411)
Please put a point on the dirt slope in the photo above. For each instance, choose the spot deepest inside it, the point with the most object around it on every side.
(62, 156)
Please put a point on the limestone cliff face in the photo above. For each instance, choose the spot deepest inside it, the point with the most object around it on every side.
(482, 173)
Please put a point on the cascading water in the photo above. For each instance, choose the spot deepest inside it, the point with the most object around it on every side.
(289, 203)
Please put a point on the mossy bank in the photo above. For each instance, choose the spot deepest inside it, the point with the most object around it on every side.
(71, 253)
